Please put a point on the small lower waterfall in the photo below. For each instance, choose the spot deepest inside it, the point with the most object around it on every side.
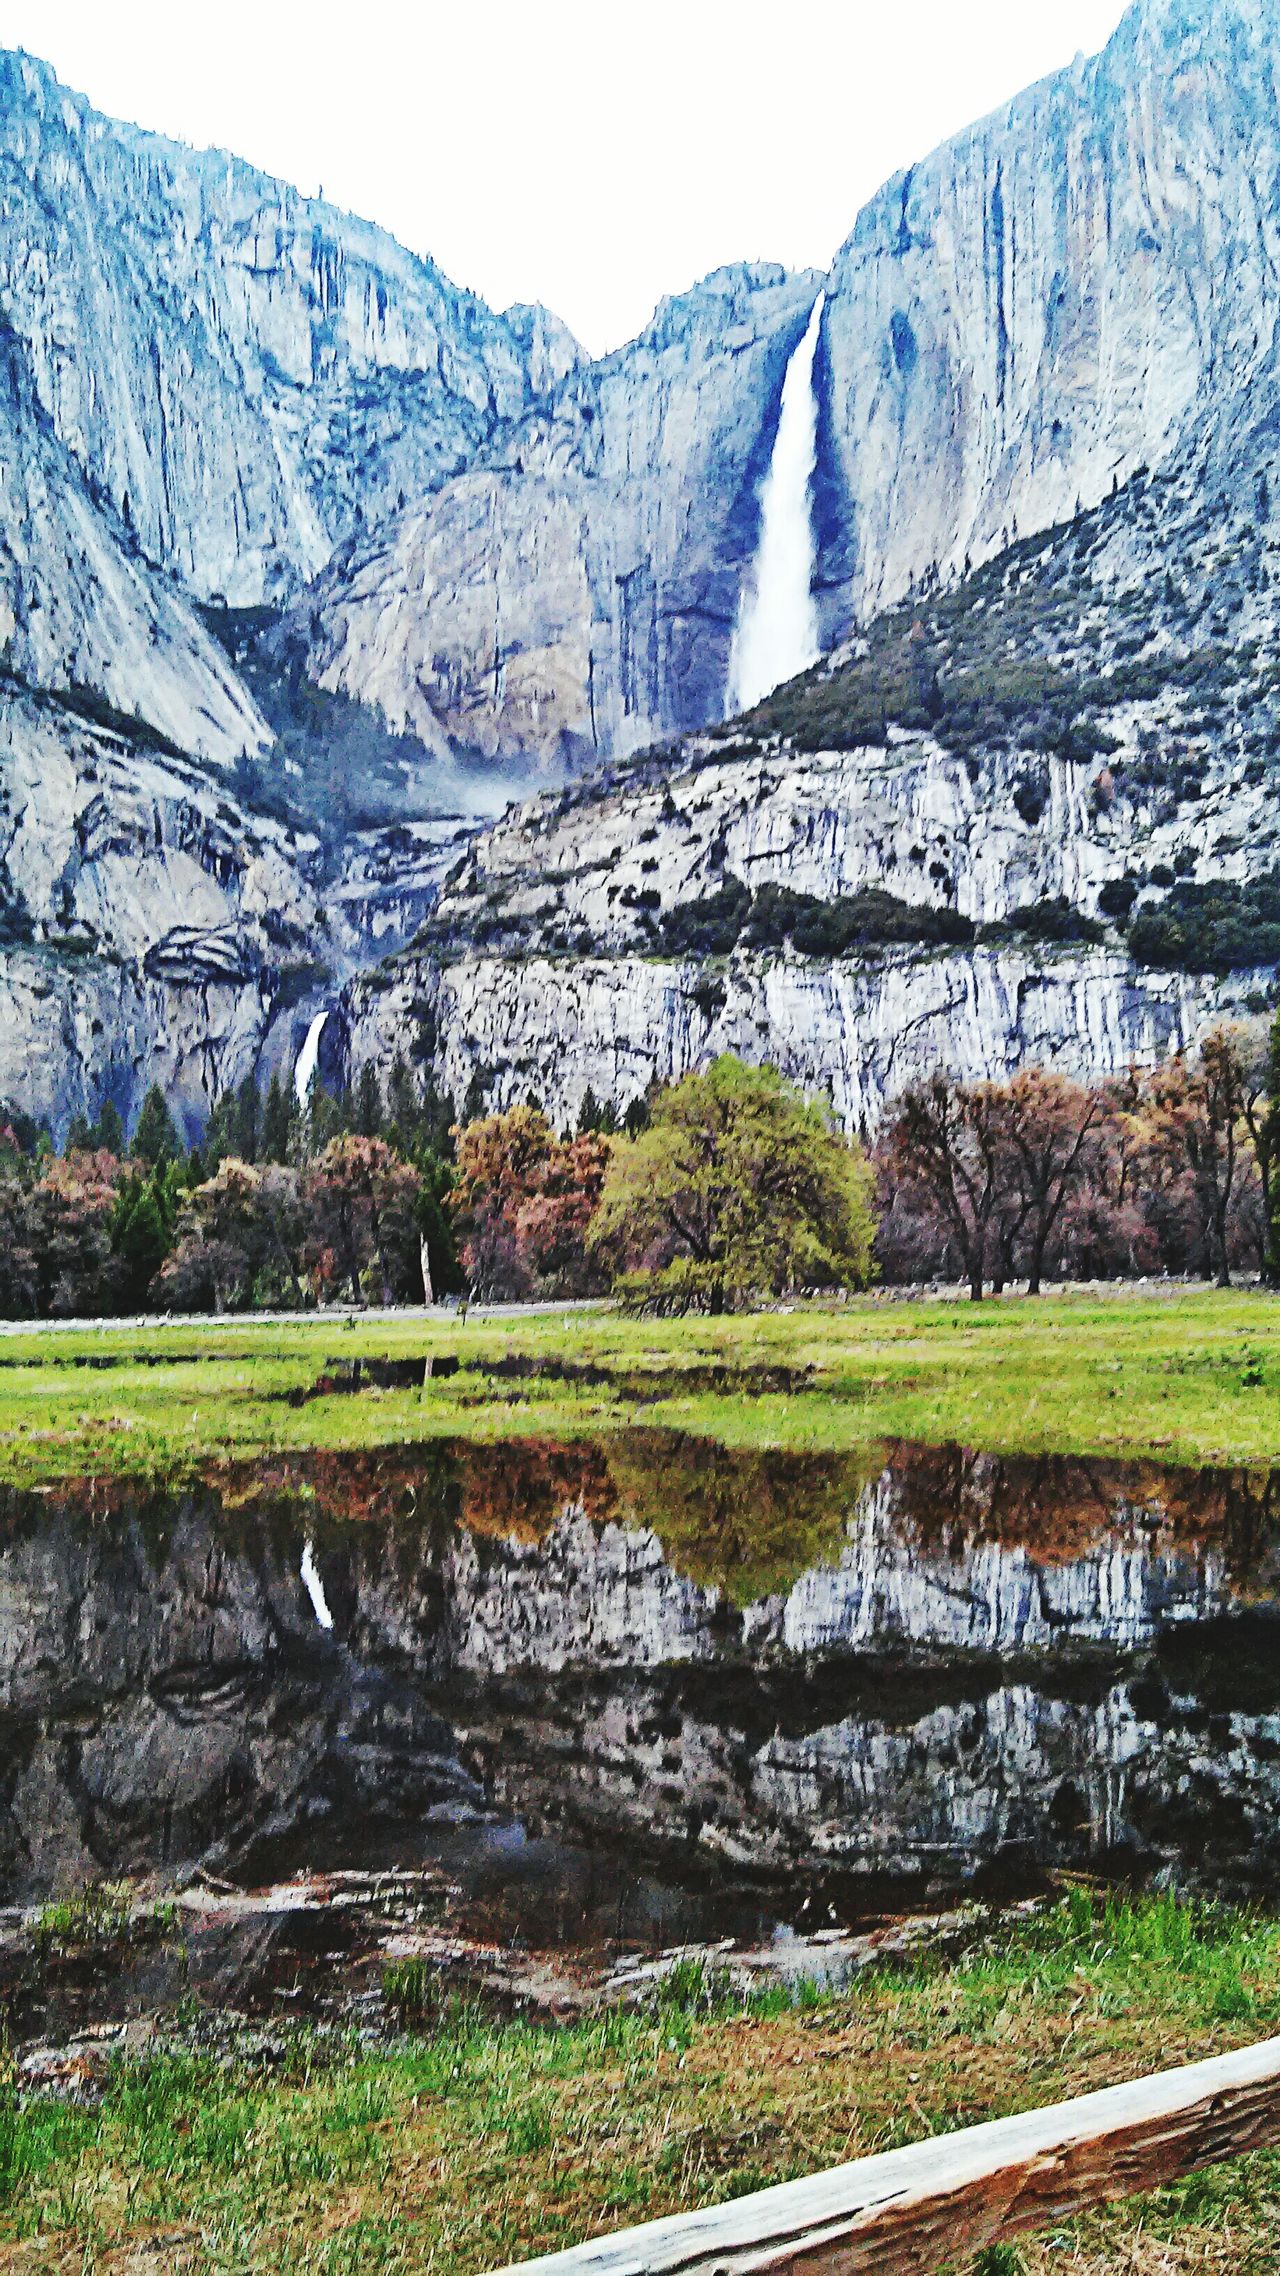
(776, 635)
(304, 1072)
(314, 1586)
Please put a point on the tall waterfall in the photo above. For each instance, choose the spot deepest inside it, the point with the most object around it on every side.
(305, 1067)
(776, 635)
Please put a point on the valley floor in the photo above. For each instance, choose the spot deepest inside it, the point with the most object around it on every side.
(1188, 1377)
(466, 2144)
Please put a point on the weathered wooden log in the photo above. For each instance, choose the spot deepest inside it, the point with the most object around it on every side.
(912, 2211)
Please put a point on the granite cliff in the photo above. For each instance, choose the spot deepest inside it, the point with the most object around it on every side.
(572, 595)
(249, 374)
(262, 466)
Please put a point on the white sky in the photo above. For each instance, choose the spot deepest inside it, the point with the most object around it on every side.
(587, 153)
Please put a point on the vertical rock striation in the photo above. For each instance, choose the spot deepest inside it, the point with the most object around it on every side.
(573, 594)
(1054, 298)
(248, 374)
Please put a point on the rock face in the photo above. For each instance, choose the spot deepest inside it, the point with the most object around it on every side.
(601, 877)
(80, 609)
(1057, 297)
(1012, 1664)
(212, 386)
(856, 1034)
(573, 595)
(154, 928)
(247, 373)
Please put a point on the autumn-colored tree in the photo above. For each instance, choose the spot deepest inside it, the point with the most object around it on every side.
(69, 1212)
(1260, 1057)
(522, 1200)
(238, 1235)
(1049, 1130)
(362, 1202)
(947, 1140)
(740, 1188)
(1197, 1109)
(19, 1276)
(551, 1224)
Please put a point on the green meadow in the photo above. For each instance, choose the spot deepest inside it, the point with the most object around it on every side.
(1184, 1377)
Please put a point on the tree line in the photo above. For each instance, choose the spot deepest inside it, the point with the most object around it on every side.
(727, 1188)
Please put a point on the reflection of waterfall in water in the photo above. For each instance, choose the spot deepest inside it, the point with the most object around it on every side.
(776, 635)
(304, 1073)
(314, 1586)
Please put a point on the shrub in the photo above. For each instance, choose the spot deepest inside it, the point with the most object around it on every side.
(1214, 928)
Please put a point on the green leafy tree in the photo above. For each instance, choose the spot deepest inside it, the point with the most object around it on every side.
(740, 1189)
(155, 1140)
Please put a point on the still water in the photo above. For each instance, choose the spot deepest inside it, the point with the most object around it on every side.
(650, 1688)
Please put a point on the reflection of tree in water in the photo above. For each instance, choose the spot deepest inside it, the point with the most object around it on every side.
(749, 1521)
(746, 1520)
(1059, 1508)
(517, 1489)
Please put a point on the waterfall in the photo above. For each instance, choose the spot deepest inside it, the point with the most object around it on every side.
(304, 1072)
(314, 1586)
(776, 634)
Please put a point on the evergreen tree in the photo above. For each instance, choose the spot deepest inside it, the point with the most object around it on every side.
(636, 1118)
(155, 1139)
(368, 1103)
(277, 1122)
(246, 1121)
(326, 1119)
(81, 1137)
(141, 1234)
(110, 1131)
(473, 1103)
(596, 1118)
(442, 1273)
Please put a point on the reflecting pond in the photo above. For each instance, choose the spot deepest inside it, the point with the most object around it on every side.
(647, 1687)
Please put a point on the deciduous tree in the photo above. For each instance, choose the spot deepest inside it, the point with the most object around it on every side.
(739, 1188)
(362, 1199)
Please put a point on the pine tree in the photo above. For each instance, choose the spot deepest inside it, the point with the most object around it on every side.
(110, 1131)
(155, 1139)
(141, 1235)
(636, 1118)
(246, 1121)
(368, 1103)
(404, 1108)
(597, 1118)
(277, 1122)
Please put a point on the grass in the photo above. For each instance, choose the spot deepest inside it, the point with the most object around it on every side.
(1188, 1378)
(473, 2144)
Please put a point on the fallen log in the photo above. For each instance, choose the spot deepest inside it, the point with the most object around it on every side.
(909, 2212)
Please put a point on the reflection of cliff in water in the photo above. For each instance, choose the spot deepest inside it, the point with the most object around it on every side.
(910, 1670)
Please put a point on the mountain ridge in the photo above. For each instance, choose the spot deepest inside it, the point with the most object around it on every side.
(1048, 405)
